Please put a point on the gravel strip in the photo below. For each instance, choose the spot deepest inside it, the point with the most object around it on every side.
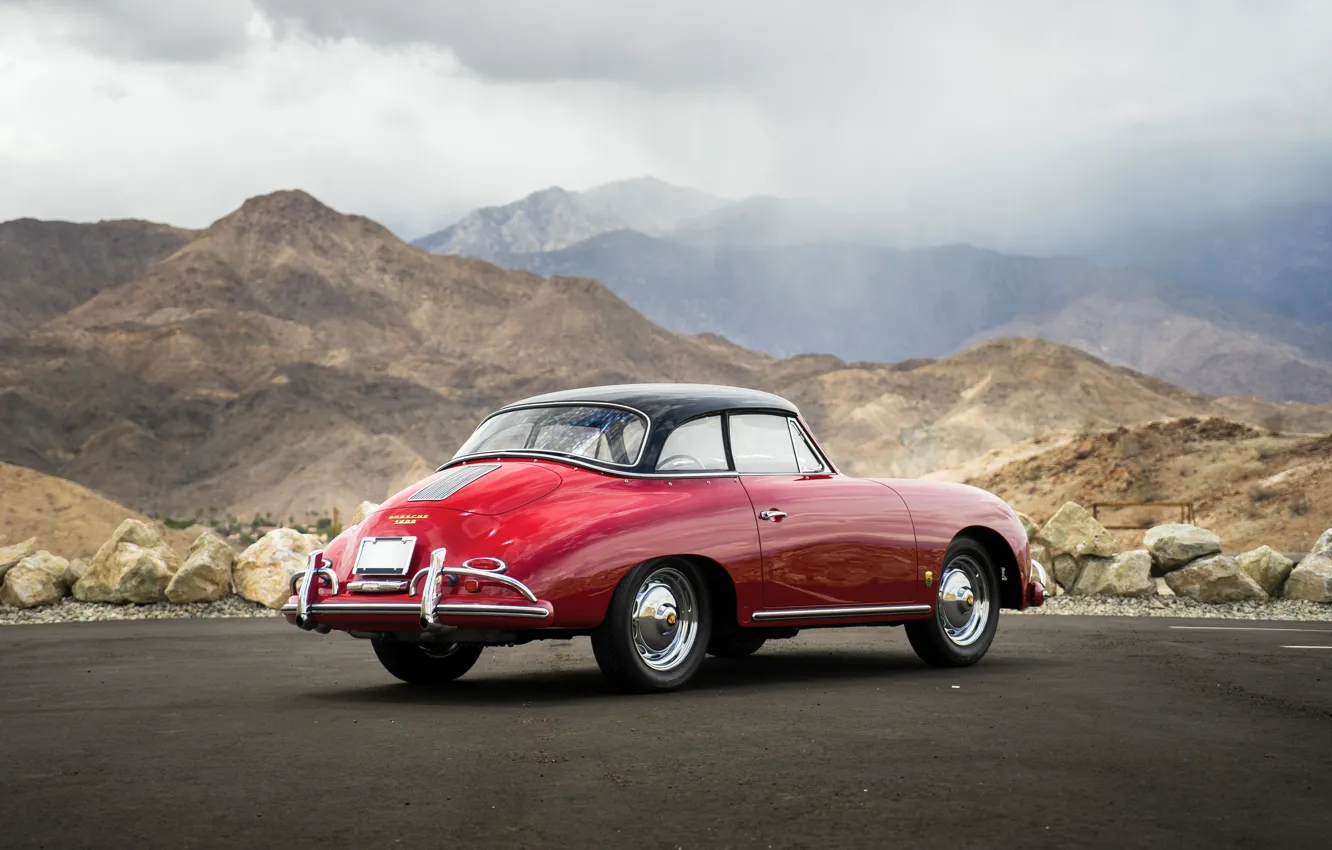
(1175, 606)
(71, 611)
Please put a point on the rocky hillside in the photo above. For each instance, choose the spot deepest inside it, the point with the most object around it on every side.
(292, 358)
(50, 267)
(1260, 487)
(64, 517)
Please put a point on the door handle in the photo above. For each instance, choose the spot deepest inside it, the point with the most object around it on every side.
(772, 515)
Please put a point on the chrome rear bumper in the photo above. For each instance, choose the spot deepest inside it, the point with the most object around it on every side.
(310, 614)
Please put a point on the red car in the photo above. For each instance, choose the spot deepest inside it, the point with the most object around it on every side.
(666, 522)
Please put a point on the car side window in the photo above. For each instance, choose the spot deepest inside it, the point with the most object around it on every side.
(761, 442)
(807, 459)
(694, 446)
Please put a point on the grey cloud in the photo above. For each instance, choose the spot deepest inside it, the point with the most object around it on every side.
(169, 30)
(651, 45)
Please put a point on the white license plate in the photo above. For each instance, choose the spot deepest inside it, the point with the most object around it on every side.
(385, 556)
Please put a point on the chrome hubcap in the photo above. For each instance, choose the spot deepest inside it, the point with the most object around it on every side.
(664, 619)
(964, 601)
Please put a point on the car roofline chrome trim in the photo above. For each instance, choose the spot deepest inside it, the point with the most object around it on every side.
(647, 431)
(830, 613)
(446, 609)
(585, 464)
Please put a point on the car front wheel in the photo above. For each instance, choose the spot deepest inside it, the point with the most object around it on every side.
(656, 629)
(430, 664)
(966, 611)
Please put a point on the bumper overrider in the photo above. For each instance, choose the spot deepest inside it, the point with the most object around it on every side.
(1037, 588)
(313, 612)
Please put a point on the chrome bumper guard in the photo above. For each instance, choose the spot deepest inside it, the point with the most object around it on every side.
(430, 608)
(1038, 573)
(316, 566)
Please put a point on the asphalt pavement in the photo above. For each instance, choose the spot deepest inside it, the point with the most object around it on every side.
(1074, 731)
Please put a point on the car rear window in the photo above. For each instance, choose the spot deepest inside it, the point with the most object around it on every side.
(608, 434)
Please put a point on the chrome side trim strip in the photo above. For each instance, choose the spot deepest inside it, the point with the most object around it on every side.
(458, 609)
(828, 613)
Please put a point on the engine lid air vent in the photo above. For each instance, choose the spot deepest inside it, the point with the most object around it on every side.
(451, 482)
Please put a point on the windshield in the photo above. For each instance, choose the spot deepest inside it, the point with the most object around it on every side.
(606, 434)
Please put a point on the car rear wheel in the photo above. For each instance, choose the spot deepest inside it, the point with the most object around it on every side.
(966, 611)
(735, 645)
(430, 664)
(656, 629)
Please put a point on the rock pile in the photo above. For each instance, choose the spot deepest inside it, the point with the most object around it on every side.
(1176, 560)
(137, 566)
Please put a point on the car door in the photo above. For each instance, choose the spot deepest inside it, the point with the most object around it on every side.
(826, 540)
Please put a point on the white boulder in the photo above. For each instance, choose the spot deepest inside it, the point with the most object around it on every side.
(1324, 544)
(1029, 526)
(135, 565)
(75, 571)
(1311, 580)
(363, 510)
(1074, 531)
(11, 555)
(206, 574)
(1217, 578)
(1268, 567)
(1064, 570)
(38, 579)
(1126, 574)
(1175, 544)
(263, 572)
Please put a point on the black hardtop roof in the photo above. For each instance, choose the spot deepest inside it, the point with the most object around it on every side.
(675, 402)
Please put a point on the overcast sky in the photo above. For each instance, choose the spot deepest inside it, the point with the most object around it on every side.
(1010, 121)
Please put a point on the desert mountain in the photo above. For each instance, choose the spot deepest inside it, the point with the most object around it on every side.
(66, 518)
(291, 357)
(1255, 486)
(555, 218)
(49, 267)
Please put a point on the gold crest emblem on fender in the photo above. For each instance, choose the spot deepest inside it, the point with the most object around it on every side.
(929, 578)
(406, 519)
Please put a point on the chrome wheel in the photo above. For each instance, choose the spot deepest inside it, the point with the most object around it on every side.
(964, 600)
(664, 619)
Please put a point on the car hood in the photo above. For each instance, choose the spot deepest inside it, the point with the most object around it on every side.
(488, 488)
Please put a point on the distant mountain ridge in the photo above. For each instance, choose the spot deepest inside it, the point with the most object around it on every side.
(788, 277)
(555, 218)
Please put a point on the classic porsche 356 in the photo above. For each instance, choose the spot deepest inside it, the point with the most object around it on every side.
(666, 522)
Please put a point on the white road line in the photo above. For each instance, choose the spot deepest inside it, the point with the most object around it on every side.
(1306, 647)
(1248, 629)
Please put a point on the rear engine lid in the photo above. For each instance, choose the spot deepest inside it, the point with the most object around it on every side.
(482, 488)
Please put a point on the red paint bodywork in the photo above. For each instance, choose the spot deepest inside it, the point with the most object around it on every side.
(570, 533)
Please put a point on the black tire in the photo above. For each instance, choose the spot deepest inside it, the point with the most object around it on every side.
(950, 637)
(674, 625)
(430, 665)
(735, 645)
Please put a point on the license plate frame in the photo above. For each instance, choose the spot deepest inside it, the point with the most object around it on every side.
(385, 556)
